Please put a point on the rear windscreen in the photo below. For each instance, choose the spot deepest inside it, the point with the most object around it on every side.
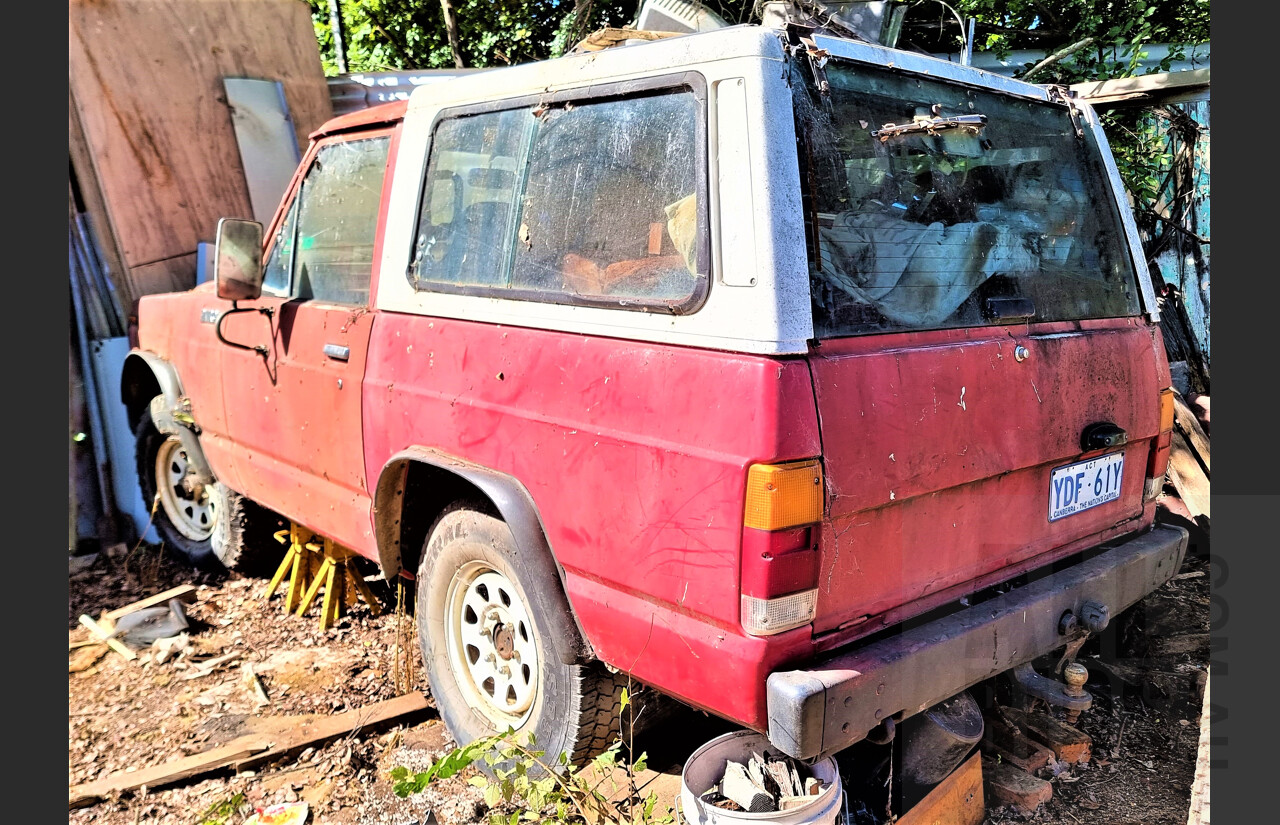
(932, 205)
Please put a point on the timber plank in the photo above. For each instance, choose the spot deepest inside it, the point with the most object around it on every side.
(86, 182)
(1185, 420)
(1187, 476)
(1068, 743)
(183, 592)
(168, 773)
(956, 800)
(170, 275)
(281, 738)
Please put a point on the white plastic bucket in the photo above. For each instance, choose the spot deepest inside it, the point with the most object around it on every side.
(705, 767)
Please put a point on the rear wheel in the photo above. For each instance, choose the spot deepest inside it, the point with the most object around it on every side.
(482, 629)
(209, 524)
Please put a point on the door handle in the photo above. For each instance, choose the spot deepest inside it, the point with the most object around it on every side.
(337, 352)
(1102, 435)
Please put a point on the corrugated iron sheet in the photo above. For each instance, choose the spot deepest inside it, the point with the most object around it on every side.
(360, 90)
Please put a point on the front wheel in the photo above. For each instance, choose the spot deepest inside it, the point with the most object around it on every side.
(489, 661)
(209, 524)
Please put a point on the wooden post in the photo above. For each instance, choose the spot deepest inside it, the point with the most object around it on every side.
(339, 35)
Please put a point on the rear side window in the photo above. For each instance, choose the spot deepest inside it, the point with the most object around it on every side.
(591, 202)
(471, 188)
(337, 221)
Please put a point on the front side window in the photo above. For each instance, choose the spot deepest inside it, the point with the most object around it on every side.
(275, 278)
(934, 205)
(337, 221)
(593, 202)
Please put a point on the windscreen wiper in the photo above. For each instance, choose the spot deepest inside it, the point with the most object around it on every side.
(931, 125)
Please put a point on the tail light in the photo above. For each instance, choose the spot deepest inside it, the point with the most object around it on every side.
(779, 553)
(1159, 461)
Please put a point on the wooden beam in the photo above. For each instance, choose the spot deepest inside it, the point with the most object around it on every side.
(183, 592)
(956, 800)
(1149, 88)
(85, 179)
(294, 734)
(609, 37)
(170, 772)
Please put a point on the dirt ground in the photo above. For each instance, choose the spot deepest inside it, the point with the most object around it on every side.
(1145, 678)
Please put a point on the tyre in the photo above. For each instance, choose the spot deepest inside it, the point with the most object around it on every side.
(483, 632)
(210, 525)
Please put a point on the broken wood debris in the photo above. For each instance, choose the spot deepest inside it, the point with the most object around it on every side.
(210, 665)
(766, 783)
(105, 635)
(255, 684)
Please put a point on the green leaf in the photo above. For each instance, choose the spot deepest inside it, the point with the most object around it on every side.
(492, 794)
(479, 781)
(400, 773)
(625, 700)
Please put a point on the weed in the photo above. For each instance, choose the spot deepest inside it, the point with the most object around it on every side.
(537, 791)
(220, 813)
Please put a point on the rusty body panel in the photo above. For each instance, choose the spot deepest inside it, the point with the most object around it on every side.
(635, 461)
(174, 326)
(295, 416)
(938, 448)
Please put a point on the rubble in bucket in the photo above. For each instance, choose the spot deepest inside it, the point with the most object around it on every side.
(764, 784)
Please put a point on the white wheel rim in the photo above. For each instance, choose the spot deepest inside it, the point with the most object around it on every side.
(193, 513)
(490, 643)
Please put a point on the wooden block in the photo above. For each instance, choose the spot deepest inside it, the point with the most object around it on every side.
(1015, 747)
(956, 800)
(185, 593)
(1069, 744)
(1007, 785)
(86, 657)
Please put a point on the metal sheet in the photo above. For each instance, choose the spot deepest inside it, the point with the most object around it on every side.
(107, 360)
(267, 141)
(353, 92)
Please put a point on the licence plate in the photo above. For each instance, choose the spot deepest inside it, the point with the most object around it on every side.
(1077, 487)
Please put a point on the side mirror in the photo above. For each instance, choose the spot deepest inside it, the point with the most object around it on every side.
(237, 267)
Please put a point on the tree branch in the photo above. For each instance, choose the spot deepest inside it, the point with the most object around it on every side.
(1061, 54)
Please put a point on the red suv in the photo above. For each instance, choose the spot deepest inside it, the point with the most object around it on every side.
(803, 380)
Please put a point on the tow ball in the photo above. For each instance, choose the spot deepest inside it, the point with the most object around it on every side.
(1068, 694)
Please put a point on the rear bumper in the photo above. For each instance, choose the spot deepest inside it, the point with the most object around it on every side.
(828, 706)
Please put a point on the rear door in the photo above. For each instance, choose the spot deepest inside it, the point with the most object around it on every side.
(939, 452)
(977, 322)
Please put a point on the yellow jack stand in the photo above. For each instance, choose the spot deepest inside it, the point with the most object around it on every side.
(342, 584)
(298, 562)
(318, 562)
